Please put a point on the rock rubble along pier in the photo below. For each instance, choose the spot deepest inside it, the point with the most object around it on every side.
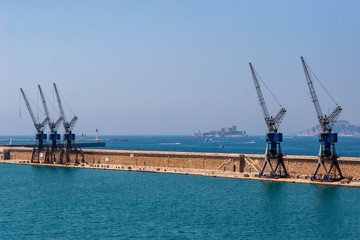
(204, 164)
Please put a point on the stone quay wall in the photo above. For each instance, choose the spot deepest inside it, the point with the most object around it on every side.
(237, 163)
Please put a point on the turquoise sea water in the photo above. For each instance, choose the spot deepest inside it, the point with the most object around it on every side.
(48, 203)
(346, 147)
(61, 203)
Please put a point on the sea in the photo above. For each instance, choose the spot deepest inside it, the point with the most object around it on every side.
(64, 203)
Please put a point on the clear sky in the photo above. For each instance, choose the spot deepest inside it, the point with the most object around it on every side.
(176, 67)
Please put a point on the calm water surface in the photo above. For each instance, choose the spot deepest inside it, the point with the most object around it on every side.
(61, 203)
(346, 147)
(47, 203)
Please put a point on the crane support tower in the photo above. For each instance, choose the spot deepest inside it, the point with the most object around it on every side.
(69, 137)
(40, 136)
(327, 139)
(273, 138)
(54, 137)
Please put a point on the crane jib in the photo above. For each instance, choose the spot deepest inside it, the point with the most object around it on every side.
(68, 126)
(326, 122)
(272, 123)
(40, 127)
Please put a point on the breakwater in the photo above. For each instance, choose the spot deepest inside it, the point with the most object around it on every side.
(206, 164)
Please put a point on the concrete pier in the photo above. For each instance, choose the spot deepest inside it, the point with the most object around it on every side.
(242, 166)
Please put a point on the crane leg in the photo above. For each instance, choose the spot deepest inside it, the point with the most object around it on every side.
(328, 172)
(280, 165)
(38, 155)
(81, 152)
(336, 164)
(316, 170)
(323, 157)
(47, 155)
(53, 157)
(33, 154)
(67, 157)
(76, 159)
(266, 163)
(280, 170)
(82, 156)
(61, 157)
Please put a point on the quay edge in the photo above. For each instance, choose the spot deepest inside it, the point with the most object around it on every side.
(238, 166)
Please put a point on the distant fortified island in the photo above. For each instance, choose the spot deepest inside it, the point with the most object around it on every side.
(343, 128)
(224, 132)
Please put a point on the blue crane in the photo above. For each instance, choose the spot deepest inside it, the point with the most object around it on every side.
(69, 137)
(39, 126)
(53, 126)
(327, 139)
(273, 138)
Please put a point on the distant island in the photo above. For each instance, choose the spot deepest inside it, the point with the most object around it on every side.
(224, 132)
(342, 128)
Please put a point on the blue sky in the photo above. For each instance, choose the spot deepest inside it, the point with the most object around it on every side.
(174, 67)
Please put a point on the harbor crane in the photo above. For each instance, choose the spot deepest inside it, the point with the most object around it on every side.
(40, 127)
(327, 138)
(69, 137)
(68, 126)
(273, 138)
(54, 137)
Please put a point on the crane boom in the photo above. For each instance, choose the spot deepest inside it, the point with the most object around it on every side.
(57, 124)
(44, 103)
(333, 117)
(272, 123)
(279, 117)
(29, 107)
(53, 126)
(260, 95)
(72, 122)
(68, 126)
(60, 105)
(39, 126)
(326, 122)
(314, 97)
